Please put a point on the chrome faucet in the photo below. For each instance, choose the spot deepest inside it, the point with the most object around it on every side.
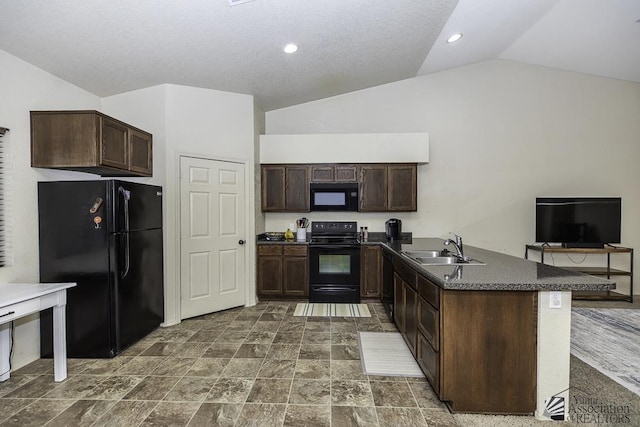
(458, 245)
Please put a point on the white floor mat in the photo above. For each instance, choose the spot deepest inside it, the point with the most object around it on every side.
(386, 354)
(332, 310)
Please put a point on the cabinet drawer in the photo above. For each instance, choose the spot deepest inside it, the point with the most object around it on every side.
(322, 173)
(429, 291)
(295, 250)
(429, 361)
(346, 173)
(429, 323)
(406, 272)
(16, 311)
(270, 249)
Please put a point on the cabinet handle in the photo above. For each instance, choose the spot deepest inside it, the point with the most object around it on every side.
(241, 242)
(7, 314)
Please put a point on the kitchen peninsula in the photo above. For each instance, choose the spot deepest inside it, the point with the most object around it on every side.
(491, 337)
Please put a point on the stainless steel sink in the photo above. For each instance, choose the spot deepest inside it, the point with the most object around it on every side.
(438, 260)
(435, 257)
(423, 254)
(448, 260)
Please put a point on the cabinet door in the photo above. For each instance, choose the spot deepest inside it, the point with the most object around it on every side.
(370, 271)
(63, 140)
(114, 142)
(269, 275)
(273, 188)
(297, 189)
(373, 188)
(402, 187)
(410, 316)
(140, 152)
(429, 323)
(322, 173)
(296, 276)
(429, 361)
(398, 302)
(346, 173)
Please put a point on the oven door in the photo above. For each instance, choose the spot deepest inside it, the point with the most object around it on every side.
(334, 264)
(334, 273)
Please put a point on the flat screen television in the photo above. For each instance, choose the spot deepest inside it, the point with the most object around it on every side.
(578, 222)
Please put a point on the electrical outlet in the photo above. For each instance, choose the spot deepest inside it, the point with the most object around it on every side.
(555, 299)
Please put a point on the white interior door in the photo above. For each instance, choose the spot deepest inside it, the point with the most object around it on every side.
(212, 223)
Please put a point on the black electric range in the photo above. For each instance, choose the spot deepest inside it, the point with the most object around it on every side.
(334, 262)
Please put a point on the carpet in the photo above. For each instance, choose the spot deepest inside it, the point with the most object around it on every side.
(332, 310)
(386, 354)
(608, 339)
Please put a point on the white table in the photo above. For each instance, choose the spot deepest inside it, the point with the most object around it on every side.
(22, 299)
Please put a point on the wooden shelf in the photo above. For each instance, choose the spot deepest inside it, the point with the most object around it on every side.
(599, 271)
(607, 249)
(606, 270)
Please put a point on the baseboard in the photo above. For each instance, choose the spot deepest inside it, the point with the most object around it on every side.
(23, 361)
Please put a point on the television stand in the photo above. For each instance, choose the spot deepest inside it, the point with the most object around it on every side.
(583, 245)
(605, 271)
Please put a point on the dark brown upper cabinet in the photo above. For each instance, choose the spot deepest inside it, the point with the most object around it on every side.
(285, 188)
(373, 188)
(388, 187)
(383, 187)
(334, 173)
(402, 187)
(89, 141)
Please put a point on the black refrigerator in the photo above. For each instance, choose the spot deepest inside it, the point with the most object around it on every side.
(107, 237)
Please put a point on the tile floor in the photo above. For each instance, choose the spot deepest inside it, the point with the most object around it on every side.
(255, 366)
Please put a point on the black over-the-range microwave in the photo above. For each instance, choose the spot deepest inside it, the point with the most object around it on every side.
(334, 197)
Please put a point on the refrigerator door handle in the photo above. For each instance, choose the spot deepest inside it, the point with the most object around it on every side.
(126, 195)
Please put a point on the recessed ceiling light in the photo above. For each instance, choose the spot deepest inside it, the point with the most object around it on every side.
(290, 48)
(454, 38)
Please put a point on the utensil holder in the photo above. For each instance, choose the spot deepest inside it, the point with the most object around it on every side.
(301, 234)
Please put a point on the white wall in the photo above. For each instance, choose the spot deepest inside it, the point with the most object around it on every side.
(196, 122)
(183, 120)
(501, 133)
(215, 125)
(23, 88)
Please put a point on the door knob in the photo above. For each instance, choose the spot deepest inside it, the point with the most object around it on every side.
(241, 242)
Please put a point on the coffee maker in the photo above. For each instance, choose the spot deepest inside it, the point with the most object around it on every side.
(393, 228)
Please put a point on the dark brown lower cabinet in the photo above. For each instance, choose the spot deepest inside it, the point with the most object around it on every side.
(410, 316)
(370, 271)
(398, 302)
(429, 323)
(429, 361)
(269, 266)
(476, 348)
(488, 351)
(282, 271)
(296, 271)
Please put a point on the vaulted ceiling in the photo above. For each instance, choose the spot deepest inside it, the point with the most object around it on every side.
(112, 46)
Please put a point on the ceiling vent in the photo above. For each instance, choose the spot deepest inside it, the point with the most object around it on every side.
(237, 2)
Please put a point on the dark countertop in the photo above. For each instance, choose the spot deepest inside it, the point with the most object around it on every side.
(501, 272)
(374, 238)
